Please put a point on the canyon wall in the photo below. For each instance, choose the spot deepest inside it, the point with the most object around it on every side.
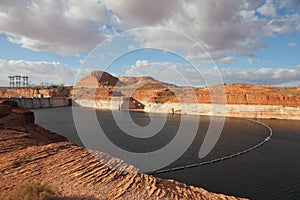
(229, 110)
(237, 100)
(238, 94)
(99, 104)
(241, 100)
(113, 103)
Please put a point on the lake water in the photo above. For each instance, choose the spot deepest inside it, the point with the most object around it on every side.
(268, 172)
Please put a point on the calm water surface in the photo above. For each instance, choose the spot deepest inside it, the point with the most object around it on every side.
(269, 172)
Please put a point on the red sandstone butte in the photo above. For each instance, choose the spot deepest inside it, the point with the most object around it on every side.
(150, 90)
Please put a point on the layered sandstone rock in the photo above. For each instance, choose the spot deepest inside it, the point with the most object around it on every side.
(150, 90)
(30, 153)
(229, 100)
(241, 100)
(238, 94)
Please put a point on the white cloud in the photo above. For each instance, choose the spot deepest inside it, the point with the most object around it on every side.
(288, 21)
(289, 4)
(284, 24)
(223, 27)
(144, 12)
(252, 4)
(174, 73)
(250, 61)
(263, 76)
(38, 72)
(227, 60)
(292, 44)
(64, 27)
(280, 26)
(184, 74)
(226, 29)
(268, 9)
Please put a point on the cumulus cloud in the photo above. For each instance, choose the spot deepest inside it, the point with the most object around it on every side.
(252, 4)
(231, 28)
(284, 24)
(64, 27)
(292, 44)
(185, 74)
(263, 76)
(268, 9)
(227, 60)
(289, 4)
(139, 12)
(174, 73)
(224, 28)
(250, 61)
(38, 72)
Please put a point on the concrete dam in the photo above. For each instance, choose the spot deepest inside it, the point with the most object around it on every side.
(32, 103)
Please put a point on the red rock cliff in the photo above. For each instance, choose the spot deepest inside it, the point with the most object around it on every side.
(240, 94)
(150, 90)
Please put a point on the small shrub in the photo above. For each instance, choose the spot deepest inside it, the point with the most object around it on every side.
(31, 191)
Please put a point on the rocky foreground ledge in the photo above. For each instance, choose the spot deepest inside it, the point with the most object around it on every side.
(30, 153)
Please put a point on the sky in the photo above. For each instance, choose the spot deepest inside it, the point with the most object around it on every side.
(186, 42)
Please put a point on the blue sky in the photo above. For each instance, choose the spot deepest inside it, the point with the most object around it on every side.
(46, 39)
(279, 52)
(11, 51)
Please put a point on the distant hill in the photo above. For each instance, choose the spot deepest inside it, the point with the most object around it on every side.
(143, 81)
(103, 79)
(98, 79)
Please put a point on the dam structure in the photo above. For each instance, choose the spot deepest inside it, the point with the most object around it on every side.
(32, 103)
(35, 97)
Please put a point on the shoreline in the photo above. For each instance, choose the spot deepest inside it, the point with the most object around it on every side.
(226, 110)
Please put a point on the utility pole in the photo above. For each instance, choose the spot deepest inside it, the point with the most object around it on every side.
(11, 81)
(18, 80)
(25, 81)
(15, 81)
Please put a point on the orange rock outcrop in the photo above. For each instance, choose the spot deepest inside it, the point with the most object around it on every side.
(150, 90)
